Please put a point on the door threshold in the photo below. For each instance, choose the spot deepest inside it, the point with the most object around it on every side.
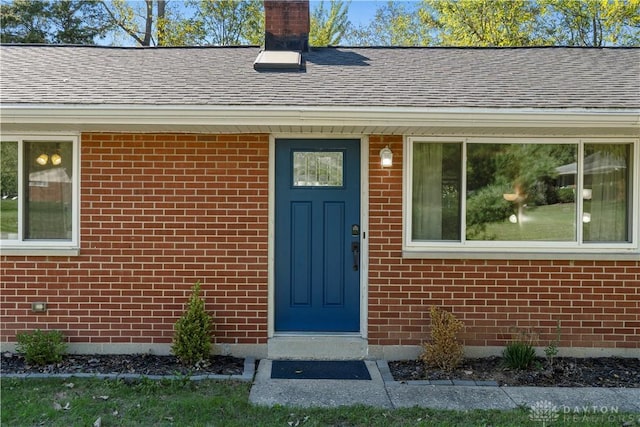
(316, 334)
(317, 346)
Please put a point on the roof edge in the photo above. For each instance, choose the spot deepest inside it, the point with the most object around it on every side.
(253, 116)
(376, 47)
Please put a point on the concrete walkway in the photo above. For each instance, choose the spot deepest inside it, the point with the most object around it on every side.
(383, 392)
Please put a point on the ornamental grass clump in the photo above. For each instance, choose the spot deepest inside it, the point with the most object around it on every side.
(443, 351)
(41, 347)
(192, 337)
(520, 353)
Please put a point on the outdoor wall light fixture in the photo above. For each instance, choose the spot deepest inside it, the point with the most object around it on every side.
(386, 157)
(40, 306)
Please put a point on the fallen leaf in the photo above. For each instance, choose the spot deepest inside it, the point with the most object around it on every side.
(67, 406)
(98, 422)
(115, 413)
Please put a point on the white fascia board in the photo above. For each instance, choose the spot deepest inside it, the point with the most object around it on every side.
(87, 116)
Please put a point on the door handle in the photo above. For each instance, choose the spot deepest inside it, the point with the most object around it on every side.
(355, 249)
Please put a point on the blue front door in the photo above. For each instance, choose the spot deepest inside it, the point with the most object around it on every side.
(317, 235)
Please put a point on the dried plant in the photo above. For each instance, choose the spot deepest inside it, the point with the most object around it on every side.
(443, 351)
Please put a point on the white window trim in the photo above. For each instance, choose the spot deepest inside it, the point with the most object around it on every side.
(44, 247)
(574, 250)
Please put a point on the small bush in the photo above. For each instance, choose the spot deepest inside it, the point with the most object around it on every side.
(41, 347)
(566, 195)
(192, 337)
(519, 353)
(488, 205)
(444, 351)
(552, 350)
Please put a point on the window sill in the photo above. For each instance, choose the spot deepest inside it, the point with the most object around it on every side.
(523, 255)
(39, 251)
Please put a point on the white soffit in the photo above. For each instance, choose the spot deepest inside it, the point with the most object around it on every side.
(274, 119)
(278, 60)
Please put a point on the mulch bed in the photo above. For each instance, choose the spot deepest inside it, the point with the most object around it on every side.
(564, 372)
(143, 364)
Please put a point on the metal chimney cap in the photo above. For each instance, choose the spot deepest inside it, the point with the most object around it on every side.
(278, 60)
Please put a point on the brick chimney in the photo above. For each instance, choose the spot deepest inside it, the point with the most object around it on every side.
(286, 25)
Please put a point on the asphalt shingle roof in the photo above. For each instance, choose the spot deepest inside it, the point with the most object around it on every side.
(377, 77)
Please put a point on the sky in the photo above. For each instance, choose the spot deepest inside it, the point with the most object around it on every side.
(362, 11)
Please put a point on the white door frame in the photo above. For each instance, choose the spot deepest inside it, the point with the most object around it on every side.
(364, 227)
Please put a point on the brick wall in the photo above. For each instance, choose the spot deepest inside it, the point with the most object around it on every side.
(596, 302)
(159, 212)
(162, 211)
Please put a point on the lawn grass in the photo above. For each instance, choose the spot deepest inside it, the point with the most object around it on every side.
(550, 223)
(29, 402)
(8, 216)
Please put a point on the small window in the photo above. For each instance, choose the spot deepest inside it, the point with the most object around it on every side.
(502, 195)
(317, 168)
(39, 188)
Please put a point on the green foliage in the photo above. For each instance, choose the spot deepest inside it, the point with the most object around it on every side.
(24, 21)
(485, 206)
(41, 347)
(483, 22)
(137, 19)
(551, 350)
(62, 21)
(192, 337)
(8, 168)
(228, 22)
(519, 353)
(231, 22)
(328, 26)
(566, 195)
(531, 169)
(444, 351)
(594, 23)
(504, 179)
